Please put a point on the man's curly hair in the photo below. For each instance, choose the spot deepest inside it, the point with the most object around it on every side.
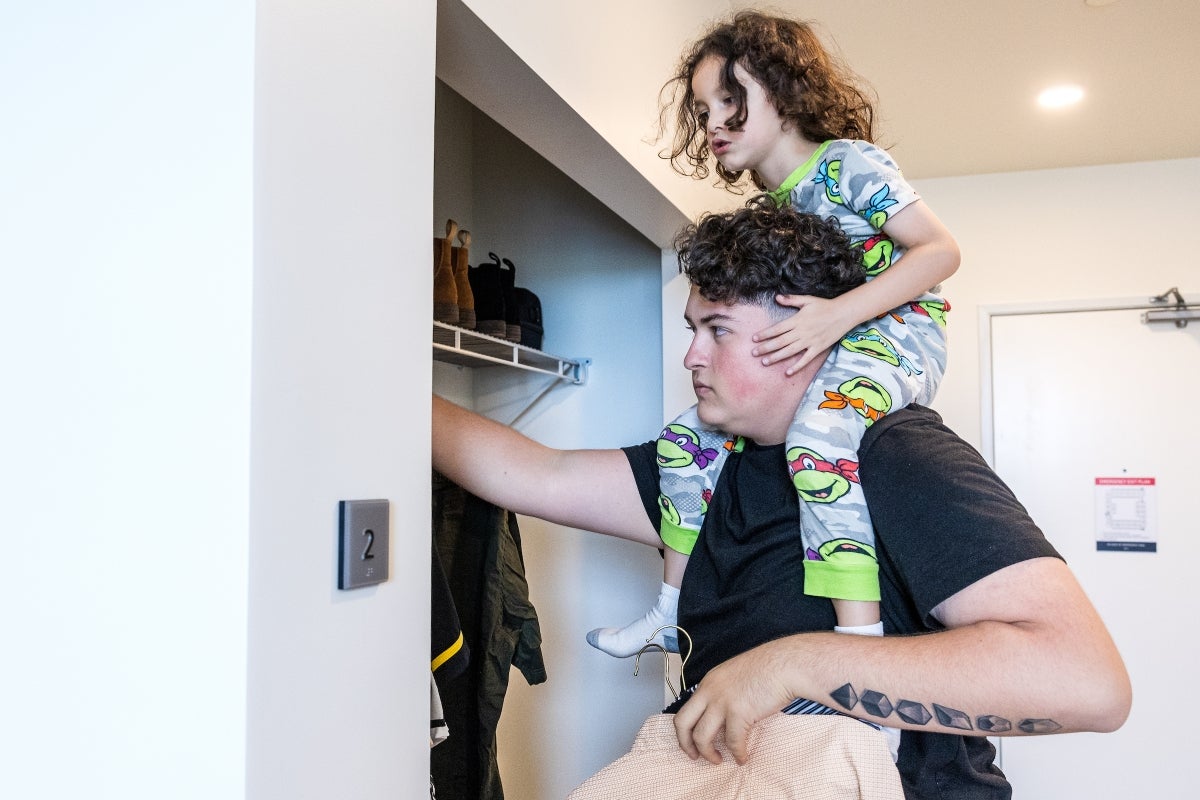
(811, 88)
(761, 250)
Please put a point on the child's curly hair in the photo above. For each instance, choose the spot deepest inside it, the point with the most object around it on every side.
(760, 250)
(809, 87)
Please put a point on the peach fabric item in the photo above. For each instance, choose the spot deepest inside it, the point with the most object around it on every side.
(790, 756)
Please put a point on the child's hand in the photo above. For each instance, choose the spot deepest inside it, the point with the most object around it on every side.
(816, 325)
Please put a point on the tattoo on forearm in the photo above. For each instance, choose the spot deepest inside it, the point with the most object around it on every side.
(878, 705)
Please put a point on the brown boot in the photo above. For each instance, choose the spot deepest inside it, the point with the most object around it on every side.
(445, 289)
(466, 298)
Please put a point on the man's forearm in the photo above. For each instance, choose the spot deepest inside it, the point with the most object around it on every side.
(1042, 663)
(989, 678)
(589, 489)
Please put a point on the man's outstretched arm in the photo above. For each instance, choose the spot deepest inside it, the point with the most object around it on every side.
(1025, 653)
(589, 489)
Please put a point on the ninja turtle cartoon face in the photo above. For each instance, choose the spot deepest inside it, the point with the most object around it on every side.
(878, 252)
(864, 395)
(846, 551)
(829, 173)
(935, 310)
(876, 210)
(873, 343)
(669, 512)
(817, 480)
(679, 446)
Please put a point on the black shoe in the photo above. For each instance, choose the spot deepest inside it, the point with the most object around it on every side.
(488, 288)
(512, 319)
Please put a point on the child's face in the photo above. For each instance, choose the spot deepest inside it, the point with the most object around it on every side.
(759, 143)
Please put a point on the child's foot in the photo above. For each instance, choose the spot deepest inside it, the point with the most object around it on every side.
(624, 642)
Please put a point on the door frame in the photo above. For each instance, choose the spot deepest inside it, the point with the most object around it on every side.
(988, 312)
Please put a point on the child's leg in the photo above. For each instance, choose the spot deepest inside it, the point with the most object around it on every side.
(690, 458)
(877, 368)
(624, 642)
(880, 366)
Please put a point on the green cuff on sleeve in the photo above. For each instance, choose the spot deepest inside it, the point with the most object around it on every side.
(858, 581)
(676, 537)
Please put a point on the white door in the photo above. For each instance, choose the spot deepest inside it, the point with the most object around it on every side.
(1097, 395)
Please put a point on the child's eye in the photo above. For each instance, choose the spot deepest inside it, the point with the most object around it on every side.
(702, 118)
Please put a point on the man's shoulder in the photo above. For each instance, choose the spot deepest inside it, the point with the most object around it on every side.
(913, 420)
(914, 439)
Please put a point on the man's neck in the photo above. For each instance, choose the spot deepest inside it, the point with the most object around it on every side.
(774, 430)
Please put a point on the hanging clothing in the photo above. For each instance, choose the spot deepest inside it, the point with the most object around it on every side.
(449, 653)
(479, 548)
(438, 731)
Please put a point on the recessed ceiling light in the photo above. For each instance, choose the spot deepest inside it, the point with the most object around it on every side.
(1060, 96)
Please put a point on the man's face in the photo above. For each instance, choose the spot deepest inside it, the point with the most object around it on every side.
(734, 391)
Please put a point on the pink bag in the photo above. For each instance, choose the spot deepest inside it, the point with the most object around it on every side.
(790, 756)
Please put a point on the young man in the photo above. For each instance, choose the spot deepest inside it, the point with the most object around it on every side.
(1014, 647)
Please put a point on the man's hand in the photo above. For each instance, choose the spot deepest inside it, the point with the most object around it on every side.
(732, 697)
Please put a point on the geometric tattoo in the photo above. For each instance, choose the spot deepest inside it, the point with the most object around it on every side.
(878, 705)
(952, 717)
(1039, 726)
(846, 696)
(993, 724)
(913, 712)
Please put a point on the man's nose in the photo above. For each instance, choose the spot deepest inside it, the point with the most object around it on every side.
(694, 357)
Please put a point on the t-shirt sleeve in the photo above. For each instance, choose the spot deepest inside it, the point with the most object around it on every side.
(943, 518)
(644, 463)
(871, 183)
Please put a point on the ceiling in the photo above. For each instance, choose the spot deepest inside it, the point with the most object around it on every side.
(957, 79)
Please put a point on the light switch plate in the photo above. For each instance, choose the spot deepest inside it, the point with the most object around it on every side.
(363, 543)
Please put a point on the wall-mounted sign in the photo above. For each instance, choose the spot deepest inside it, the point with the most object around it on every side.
(1127, 514)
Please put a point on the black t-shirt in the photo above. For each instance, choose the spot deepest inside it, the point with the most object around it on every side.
(943, 520)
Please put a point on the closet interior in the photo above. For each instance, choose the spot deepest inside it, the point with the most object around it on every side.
(596, 382)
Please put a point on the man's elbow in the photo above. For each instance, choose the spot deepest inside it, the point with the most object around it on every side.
(1118, 703)
(1109, 699)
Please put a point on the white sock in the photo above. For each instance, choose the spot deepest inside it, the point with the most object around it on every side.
(892, 734)
(624, 642)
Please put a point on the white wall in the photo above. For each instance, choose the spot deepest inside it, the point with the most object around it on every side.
(125, 246)
(339, 681)
(1070, 234)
